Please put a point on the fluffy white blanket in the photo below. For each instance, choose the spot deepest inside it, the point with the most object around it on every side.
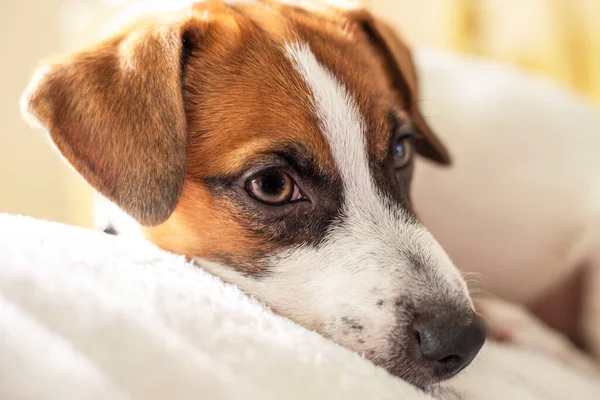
(84, 315)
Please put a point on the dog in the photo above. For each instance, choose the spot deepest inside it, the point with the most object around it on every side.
(532, 274)
(274, 144)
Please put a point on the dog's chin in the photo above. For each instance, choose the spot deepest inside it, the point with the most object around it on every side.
(418, 375)
(415, 373)
(411, 371)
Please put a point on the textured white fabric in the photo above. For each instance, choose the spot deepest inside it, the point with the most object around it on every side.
(84, 315)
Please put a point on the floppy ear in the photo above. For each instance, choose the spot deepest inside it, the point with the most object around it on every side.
(115, 111)
(397, 61)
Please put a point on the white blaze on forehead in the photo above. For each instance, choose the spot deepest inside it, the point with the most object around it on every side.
(344, 128)
(340, 119)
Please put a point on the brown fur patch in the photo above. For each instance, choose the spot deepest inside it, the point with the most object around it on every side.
(203, 225)
(242, 99)
(119, 121)
(246, 99)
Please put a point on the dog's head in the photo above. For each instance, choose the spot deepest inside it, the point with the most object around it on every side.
(275, 146)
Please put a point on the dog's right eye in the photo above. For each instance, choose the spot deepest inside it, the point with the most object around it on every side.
(273, 187)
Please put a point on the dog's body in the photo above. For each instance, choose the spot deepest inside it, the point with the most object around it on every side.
(521, 204)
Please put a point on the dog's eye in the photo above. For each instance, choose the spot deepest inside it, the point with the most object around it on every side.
(273, 188)
(401, 150)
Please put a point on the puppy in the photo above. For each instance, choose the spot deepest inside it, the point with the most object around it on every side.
(274, 145)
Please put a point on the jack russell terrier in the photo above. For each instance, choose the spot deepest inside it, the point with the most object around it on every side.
(274, 144)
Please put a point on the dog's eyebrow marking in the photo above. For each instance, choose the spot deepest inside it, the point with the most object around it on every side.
(297, 157)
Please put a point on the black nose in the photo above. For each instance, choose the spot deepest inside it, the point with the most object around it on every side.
(450, 343)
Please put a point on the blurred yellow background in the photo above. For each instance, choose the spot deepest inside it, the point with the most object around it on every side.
(556, 38)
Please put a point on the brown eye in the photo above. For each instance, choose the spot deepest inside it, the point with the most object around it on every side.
(273, 188)
(401, 151)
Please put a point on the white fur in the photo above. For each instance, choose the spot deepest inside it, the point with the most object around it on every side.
(522, 200)
(364, 260)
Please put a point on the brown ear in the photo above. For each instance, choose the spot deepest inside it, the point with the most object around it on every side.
(397, 60)
(116, 113)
